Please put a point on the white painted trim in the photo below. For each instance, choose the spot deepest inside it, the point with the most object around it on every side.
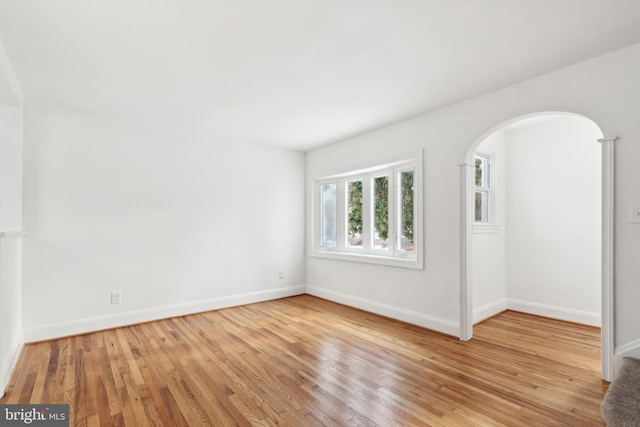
(92, 324)
(408, 262)
(486, 228)
(16, 233)
(416, 318)
(561, 313)
(394, 258)
(490, 156)
(489, 310)
(466, 251)
(16, 348)
(608, 255)
(630, 349)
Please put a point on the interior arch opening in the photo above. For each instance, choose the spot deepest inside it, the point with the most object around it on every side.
(534, 220)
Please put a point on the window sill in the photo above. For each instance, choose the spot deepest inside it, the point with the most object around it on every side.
(412, 263)
(486, 228)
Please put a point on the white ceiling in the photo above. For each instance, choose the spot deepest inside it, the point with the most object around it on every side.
(296, 73)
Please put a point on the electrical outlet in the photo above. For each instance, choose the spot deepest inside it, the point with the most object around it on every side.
(281, 274)
(116, 297)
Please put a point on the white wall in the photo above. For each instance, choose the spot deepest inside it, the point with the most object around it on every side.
(11, 338)
(489, 240)
(554, 219)
(10, 168)
(172, 217)
(543, 255)
(604, 89)
(429, 297)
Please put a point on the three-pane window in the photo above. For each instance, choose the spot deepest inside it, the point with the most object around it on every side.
(372, 213)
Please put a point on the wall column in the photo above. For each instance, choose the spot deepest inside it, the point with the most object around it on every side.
(466, 227)
(608, 187)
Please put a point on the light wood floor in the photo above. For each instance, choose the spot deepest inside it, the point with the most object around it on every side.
(303, 361)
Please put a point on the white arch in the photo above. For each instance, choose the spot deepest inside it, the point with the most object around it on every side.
(472, 149)
(467, 215)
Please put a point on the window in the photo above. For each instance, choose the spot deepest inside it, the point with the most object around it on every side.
(406, 210)
(483, 188)
(354, 214)
(328, 215)
(370, 215)
(380, 212)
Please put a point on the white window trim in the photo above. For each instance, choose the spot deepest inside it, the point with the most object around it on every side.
(490, 158)
(485, 228)
(492, 226)
(365, 218)
(393, 256)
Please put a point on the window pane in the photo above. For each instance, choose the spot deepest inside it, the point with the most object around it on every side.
(380, 212)
(328, 225)
(405, 223)
(354, 214)
(482, 206)
(483, 172)
(479, 172)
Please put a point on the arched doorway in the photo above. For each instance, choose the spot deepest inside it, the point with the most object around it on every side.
(468, 202)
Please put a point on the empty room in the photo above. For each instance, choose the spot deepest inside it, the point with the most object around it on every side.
(319, 213)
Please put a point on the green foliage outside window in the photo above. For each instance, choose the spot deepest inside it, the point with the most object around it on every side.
(406, 192)
(479, 173)
(354, 191)
(381, 206)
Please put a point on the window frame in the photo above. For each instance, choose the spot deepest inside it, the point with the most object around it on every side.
(367, 253)
(488, 188)
(365, 219)
(398, 209)
(322, 216)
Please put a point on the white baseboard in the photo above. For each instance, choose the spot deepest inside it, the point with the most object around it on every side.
(82, 326)
(430, 322)
(630, 349)
(489, 310)
(570, 315)
(16, 348)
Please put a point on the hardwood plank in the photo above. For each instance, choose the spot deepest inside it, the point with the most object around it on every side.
(304, 361)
